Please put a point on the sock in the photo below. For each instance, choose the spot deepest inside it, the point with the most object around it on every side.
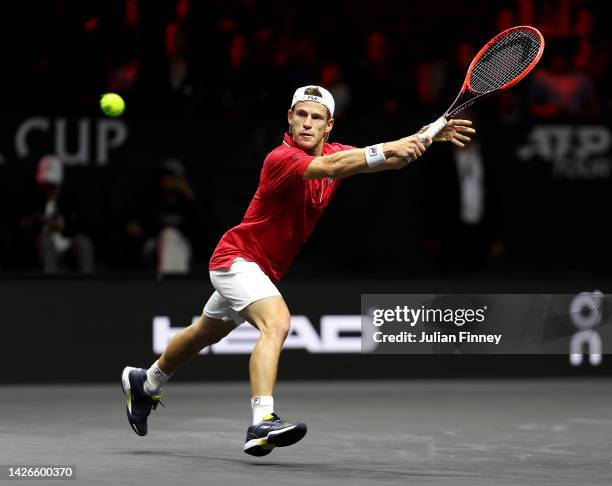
(155, 379)
(261, 407)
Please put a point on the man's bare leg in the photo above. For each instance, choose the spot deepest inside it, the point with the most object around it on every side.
(190, 341)
(272, 318)
(268, 431)
(142, 387)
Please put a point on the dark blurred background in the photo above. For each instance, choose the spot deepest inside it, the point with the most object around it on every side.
(207, 85)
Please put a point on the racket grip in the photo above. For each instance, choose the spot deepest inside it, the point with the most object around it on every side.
(433, 129)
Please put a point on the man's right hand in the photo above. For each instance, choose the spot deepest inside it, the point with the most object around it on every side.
(407, 148)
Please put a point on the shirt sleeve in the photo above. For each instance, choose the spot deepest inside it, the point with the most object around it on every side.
(283, 169)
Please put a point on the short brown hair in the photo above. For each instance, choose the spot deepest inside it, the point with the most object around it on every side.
(314, 91)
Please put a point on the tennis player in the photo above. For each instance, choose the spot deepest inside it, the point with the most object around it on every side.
(297, 182)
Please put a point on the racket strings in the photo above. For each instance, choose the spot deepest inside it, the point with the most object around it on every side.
(504, 60)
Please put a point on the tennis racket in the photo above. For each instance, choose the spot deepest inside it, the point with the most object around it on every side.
(499, 65)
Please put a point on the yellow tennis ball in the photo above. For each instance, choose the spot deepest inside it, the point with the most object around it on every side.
(112, 104)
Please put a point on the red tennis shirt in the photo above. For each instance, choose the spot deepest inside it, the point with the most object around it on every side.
(282, 213)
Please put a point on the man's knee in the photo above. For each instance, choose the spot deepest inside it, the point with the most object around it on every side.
(276, 327)
(270, 316)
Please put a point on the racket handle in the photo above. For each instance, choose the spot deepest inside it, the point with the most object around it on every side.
(433, 129)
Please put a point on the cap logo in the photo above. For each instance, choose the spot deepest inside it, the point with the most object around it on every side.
(326, 99)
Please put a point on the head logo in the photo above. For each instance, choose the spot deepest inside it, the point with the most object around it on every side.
(336, 334)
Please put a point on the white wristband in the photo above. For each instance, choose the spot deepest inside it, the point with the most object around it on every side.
(375, 155)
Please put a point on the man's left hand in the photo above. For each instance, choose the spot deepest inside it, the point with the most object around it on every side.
(457, 132)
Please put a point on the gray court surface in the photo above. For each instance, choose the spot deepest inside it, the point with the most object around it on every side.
(556, 432)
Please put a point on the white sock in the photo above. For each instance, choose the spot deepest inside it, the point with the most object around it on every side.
(261, 407)
(155, 379)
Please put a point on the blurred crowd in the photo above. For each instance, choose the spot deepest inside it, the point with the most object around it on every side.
(228, 57)
(237, 61)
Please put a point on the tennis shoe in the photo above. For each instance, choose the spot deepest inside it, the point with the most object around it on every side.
(272, 432)
(139, 402)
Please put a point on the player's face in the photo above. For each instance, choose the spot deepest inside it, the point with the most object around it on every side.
(310, 125)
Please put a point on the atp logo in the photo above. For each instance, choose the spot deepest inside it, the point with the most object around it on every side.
(575, 152)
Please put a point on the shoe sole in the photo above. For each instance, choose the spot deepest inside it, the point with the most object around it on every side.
(277, 438)
(127, 391)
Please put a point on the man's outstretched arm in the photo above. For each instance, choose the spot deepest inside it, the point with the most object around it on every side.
(458, 132)
(354, 161)
(398, 153)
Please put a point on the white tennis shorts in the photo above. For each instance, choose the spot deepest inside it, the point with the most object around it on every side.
(235, 288)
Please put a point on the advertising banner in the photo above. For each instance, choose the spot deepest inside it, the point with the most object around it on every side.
(87, 330)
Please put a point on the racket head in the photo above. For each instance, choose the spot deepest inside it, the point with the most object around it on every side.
(504, 60)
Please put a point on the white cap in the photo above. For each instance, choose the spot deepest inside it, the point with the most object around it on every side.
(50, 170)
(326, 99)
